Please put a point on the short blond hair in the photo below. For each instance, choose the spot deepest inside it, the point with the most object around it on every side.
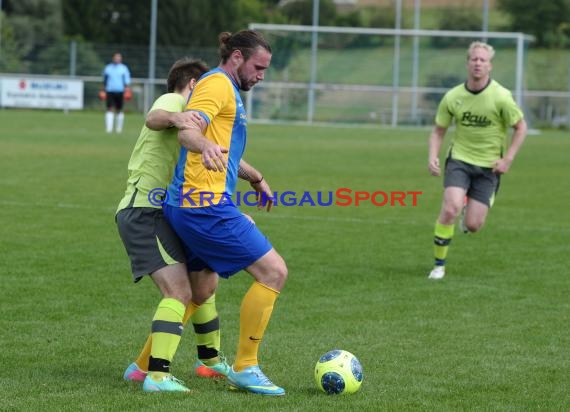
(480, 44)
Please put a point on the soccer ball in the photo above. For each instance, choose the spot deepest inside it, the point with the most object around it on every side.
(338, 372)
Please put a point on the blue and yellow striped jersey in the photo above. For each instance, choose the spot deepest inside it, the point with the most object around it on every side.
(216, 97)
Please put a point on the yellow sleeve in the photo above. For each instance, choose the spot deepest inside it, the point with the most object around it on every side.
(210, 95)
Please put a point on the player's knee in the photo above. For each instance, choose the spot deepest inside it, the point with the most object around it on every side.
(204, 284)
(279, 275)
(183, 296)
(474, 223)
(202, 294)
(473, 226)
(450, 212)
(282, 272)
(276, 276)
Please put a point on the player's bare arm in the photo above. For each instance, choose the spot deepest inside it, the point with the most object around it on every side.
(258, 183)
(248, 173)
(504, 164)
(435, 141)
(160, 119)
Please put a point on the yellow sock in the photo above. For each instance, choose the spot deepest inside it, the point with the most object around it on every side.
(207, 329)
(142, 360)
(166, 333)
(255, 312)
(190, 309)
(442, 239)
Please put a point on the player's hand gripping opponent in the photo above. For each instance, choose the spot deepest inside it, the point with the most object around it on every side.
(214, 157)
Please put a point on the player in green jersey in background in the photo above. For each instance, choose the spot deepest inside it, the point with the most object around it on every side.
(484, 111)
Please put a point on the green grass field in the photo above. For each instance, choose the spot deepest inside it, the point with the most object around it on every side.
(492, 336)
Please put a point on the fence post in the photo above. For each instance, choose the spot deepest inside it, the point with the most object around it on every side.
(568, 104)
(72, 58)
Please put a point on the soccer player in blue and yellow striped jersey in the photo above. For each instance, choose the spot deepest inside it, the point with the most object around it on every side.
(215, 234)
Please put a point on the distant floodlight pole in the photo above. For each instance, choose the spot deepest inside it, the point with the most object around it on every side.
(396, 64)
(568, 104)
(314, 47)
(415, 63)
(485, 19)
(72, 57)
(520, 69)
(151, 56)
(1, 15)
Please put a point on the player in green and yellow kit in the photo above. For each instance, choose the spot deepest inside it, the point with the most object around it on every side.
(154, 248)
(484, 111)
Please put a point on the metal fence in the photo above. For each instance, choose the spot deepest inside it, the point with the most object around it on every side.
(352, 81)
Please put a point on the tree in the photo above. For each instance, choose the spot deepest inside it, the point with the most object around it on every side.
(9, 53)
(108, 21)
(179, 22)
(301, 12)
(543, 19)
(33, 24)
(196, 22)
(462, 19)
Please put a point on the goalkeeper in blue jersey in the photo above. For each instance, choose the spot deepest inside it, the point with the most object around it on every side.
(116, 82)
(484, 112)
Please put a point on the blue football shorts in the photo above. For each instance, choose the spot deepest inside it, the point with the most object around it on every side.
(217, 237)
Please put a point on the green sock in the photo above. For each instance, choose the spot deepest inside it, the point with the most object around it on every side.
(207, 328)
(166, 333)
(442, 239)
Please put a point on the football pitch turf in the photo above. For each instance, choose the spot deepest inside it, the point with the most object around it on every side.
(493, 335)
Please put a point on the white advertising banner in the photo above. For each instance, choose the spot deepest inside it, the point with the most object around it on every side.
(40, 93)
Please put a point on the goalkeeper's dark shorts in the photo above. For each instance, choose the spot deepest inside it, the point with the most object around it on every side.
(480, 183)
(116, 100)
(149, 240)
